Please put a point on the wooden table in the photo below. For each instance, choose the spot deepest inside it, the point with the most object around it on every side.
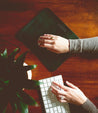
(79, 15)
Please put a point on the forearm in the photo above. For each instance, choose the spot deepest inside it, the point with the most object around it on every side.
(89, 107)
(89, 45)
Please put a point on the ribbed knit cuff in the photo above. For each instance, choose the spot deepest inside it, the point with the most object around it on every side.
(89, 107)
(75, 46)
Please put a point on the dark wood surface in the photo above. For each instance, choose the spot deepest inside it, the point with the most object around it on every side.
(79, 15)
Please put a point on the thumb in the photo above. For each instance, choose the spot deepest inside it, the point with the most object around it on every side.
(71, 85)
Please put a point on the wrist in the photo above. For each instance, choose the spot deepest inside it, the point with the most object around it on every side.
(83, 100)
(68, 45)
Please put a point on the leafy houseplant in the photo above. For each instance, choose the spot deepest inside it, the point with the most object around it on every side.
(13, 78)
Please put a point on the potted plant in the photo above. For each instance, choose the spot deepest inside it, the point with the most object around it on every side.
(13, 79)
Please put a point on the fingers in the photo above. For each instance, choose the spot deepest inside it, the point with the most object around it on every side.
(71, 85)
(60, 96)
(61, 86)
(60, 91)
(68, 94)
(48, 46)
(46, 41)
(57, 91)
(61, 99)
(48, 36)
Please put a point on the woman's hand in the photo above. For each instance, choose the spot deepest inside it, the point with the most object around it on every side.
(54, 43)
(71, 94)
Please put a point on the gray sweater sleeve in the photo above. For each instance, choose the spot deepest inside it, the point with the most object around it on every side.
(89, 107)
(88, 45)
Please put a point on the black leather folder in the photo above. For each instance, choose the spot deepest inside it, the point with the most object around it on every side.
(46, 22)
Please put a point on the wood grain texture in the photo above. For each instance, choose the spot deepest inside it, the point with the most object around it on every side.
(79, 15)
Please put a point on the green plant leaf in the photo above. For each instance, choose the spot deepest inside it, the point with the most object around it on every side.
(14, 107)
(4, 54)
(21, 58)
(23, 108)
(13, 54)
(24, 97)
(30, 67)
(31, 84)
(4, 83)
(4, 110)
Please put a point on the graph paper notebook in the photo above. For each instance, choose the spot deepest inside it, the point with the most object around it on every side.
(46, 22)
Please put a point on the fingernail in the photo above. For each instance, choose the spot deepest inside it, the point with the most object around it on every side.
(67, 82)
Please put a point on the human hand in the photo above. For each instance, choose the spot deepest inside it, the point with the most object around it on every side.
(71, 94)
(54, 43)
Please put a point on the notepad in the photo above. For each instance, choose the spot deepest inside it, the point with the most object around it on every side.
(46, 22)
